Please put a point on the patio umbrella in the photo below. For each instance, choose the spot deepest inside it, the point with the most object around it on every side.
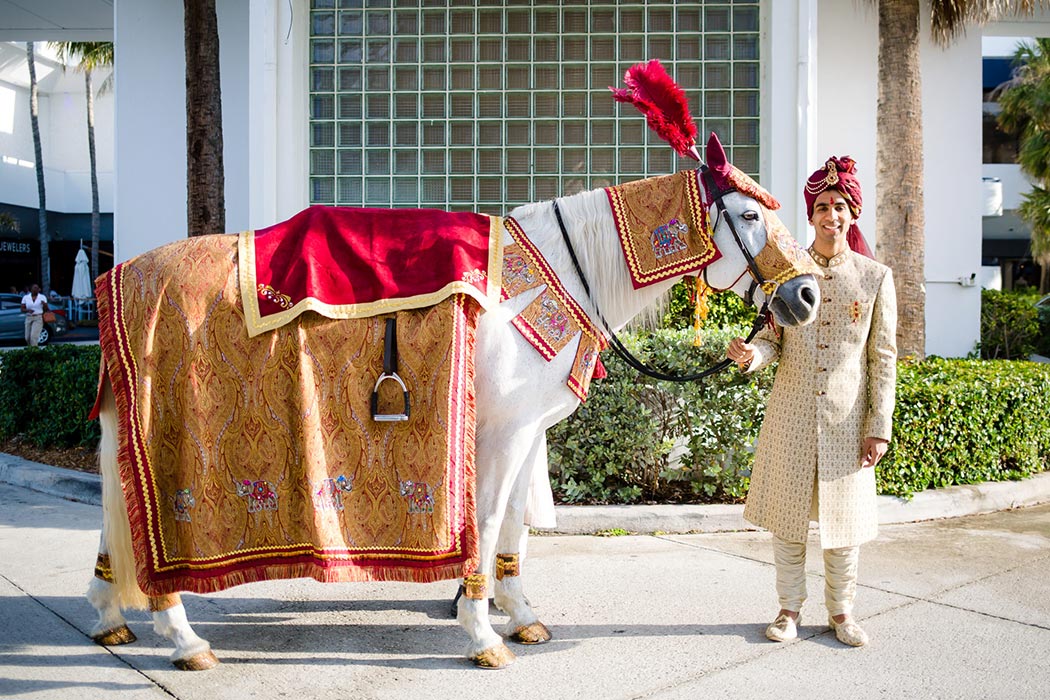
(82, 278)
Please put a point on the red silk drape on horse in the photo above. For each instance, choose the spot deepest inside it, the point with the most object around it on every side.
(254, 458)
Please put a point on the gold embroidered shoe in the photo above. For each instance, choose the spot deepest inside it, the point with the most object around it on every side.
(848, 632)
(783, 629)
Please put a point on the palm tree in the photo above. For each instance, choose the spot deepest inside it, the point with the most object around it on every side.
(90, 56)
(34, 115)
(205, 179)
(1025, 102)
(900, 229)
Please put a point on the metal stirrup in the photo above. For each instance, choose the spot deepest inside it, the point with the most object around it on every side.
(389, 372)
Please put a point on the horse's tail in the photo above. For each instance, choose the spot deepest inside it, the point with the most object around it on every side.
(116, 528)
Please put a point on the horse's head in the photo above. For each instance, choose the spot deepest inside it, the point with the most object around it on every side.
(760, 259)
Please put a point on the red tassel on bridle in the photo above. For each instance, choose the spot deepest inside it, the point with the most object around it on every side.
(666, 110)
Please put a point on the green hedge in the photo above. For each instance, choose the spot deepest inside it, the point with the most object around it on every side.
(956, 422)
(1011, 326)
(636, 439)
(47, 393)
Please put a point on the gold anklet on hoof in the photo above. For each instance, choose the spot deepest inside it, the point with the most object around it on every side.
(115, 637)
(475, 586)
(536, 633)
(495, 657)
(103, 570)
(198, 662)
(507, 565)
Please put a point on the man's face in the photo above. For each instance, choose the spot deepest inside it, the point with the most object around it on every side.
(35, 289)
(831, 218)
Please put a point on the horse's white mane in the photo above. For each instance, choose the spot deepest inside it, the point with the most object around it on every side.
(588, 218)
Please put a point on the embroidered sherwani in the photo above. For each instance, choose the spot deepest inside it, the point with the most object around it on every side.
(835, 386)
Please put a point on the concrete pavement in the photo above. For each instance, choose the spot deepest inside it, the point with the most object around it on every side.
(957, 608)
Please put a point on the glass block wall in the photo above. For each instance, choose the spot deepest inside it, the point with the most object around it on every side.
(486, 105)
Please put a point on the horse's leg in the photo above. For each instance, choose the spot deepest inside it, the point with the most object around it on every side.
(169, 620)
(115, 586)
(111, 628)
(499, 461)
(524, 627)
(112, 587)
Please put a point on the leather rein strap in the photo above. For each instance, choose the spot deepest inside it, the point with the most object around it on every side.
(618, 346)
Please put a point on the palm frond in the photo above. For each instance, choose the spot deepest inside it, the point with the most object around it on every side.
(950, 18)
(1035, 210)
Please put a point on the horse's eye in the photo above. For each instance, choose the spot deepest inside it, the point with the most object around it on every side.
(750, 215)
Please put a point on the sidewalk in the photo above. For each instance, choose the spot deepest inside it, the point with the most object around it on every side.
(956, 608)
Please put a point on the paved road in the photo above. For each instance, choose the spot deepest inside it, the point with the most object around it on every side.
(956, 608)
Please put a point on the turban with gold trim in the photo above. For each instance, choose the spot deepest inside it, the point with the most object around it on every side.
(839, 174)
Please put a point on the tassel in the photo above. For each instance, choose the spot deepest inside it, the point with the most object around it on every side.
(666, 109)
(700, 310)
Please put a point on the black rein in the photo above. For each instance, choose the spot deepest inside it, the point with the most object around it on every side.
(623, 352)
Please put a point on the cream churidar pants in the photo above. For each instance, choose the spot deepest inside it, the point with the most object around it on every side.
(840, 572)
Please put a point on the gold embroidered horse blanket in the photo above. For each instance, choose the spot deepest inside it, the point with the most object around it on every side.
(254, 457)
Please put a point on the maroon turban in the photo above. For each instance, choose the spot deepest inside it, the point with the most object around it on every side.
(839, 174)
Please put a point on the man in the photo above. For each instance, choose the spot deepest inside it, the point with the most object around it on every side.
(828, 420)
(34, 305)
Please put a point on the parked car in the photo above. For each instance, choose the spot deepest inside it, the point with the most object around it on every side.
(1043, 303)
(12, 321)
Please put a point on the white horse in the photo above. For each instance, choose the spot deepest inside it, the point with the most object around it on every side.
(519, 396)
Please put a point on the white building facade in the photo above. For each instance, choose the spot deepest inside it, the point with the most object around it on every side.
(487, 105)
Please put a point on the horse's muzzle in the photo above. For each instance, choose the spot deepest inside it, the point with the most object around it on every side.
(797, 301)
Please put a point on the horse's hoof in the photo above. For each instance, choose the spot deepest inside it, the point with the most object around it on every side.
(198, 662)
(494, 657)
(536, 633)
(115, 637)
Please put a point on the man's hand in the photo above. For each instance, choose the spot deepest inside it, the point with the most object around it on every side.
(874, 449)
(740, 352)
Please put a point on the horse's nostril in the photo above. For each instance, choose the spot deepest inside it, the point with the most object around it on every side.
(809, 295)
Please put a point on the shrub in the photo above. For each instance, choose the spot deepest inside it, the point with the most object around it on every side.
(1010, 325)
(638, 439)
(965, 422)
(956, 422)
(725, 309)
(47, 393)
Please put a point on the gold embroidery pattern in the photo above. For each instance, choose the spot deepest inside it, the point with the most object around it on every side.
(219, 408)
(660, 222)
(782, 258)
(272, 295)
(553, 319)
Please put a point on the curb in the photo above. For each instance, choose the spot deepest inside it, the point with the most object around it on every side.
(951, 502)
(54, 481)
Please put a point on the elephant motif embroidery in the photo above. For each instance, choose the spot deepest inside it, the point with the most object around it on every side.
(668, 239)
(328, 493)
(553, 320)
(261, 495)
(183, 503)
(420, 496)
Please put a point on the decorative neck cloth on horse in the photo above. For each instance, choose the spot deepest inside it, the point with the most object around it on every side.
(353, 263)
(839, 174)
(553, 319)
(252, 458)
(660, 222)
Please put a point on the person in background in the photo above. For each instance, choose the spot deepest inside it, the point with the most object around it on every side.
(34, 304)
(828, 420)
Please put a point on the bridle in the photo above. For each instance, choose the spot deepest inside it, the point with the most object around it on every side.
(758, 280)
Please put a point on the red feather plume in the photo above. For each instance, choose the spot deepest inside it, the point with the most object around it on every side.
(666, 110)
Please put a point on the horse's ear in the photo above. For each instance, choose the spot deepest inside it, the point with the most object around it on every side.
(716, 155)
